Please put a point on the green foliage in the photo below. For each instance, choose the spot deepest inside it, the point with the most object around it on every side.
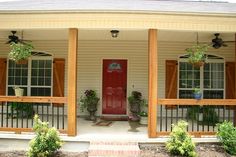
(209, 114)
(22, 109)
(20, 51)
(196, 90)
(197, 53)
(88, 100)
(180, 142)
(46, 142)
(227, 135)
(135, 97)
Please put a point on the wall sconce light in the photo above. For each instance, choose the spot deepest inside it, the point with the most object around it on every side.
(114, 33)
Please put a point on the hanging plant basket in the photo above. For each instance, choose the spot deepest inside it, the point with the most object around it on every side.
(20, 52)
(198, 64)
(196, 54)
(22, 61)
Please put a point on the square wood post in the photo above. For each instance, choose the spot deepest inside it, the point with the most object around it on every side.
(152, 83)
(72, 79)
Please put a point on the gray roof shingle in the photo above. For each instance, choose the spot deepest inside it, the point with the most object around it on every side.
(117, 6)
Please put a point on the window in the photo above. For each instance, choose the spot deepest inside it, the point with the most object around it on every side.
(209, 78)
(35, 77)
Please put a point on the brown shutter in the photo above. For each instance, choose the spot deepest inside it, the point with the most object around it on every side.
(171, 80)
(230, 80)
(3, 69)
(58, 78)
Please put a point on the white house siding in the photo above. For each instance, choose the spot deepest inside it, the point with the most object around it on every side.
(91, 53)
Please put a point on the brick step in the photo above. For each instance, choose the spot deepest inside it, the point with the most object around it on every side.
(114, 149)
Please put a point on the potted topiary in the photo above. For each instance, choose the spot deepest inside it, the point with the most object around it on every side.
(197, 55)
(20, 51)
(89, 101)
(135, 101)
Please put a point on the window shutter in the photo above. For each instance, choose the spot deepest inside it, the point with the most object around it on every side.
(230, 80)
(171, 80)
(3, 69)
(58, 78)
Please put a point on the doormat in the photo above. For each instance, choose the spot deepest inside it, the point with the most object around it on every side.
(115, 118)
(113, 149)
(103, 123)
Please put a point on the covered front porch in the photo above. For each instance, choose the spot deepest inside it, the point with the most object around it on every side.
(145, 47)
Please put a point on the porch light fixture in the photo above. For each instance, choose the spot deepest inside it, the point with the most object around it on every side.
(114, 33)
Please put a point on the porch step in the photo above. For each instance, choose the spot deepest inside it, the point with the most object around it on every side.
(113, 149)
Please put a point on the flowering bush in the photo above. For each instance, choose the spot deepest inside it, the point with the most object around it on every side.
(20, 51)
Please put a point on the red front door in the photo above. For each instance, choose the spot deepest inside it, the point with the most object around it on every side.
(114, 86)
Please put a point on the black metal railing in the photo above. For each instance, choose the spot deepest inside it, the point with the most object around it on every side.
(20, 114)
(200, 118)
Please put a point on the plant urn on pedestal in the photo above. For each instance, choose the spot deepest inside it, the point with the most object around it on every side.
(133, 123)
(89, 101)
(135, 101)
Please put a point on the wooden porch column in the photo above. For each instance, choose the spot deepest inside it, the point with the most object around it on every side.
(235, 80)
(72, 79)
(152, 83)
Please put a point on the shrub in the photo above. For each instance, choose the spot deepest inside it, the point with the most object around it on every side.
(180, 142)
(227, 135)
(46, 141)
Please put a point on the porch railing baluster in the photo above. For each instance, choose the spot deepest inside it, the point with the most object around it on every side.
(58, 117)
(228, 113)
(171, 118)
(52, 115)
(22, 117)
(17, 118)
(161, 118)
(2, 114)
(48, 112)
(12, 116)
(63, 116)
(166, 120)
(7, 116)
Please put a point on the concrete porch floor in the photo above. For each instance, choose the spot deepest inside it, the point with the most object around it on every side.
(87, 132)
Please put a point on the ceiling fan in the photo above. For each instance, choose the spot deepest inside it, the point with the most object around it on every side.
(218, 42)
(16, 39)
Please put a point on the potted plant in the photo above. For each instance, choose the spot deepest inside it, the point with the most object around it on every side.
(18, 91)
(89, 101)
(144, 114)
(197, 93)
(22, 110)
(20, 51)
(135, 101)
(197, 55)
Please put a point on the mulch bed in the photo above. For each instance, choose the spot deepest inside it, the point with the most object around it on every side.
(203, 150)
(147, 150)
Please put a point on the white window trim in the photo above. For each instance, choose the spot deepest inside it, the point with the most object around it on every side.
(29, 86)
(201, 74)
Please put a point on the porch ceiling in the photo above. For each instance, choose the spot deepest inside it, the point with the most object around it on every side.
(124, 34)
